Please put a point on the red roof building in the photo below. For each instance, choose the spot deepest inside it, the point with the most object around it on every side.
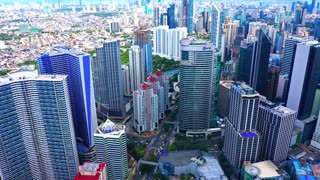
(92, 171)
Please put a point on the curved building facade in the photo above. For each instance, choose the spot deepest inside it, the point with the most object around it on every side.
(198, 79)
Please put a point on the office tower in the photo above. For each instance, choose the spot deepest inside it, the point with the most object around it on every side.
(272, 82)
(145, 103)
(111, 143)
(171, 16)
(275, 123)
(92, 171)
(136, 62)
(163, 19)
(77, 66)
(223, 102)
(156, 16)
(304, 78)
(107, 79)
(166, 42)
(316, 30)
(199, 25)
(186, 15)
(37, 133)
(242, 141)
(199, 76)
(316, 103)
(114, 27)
(126, 80)
(254, 61)
(315, 142)
(205, 16)
(216, 26)
(142, 38)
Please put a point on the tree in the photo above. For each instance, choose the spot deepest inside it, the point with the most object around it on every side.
(159, 176)
(145, 168)
(166, 127)
(152, 157)
(172, 147)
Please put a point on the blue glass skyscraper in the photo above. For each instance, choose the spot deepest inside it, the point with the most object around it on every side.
(77, 66)
(108, 78)
(190, 16)
(171, 16)
(142, 39)
(37, 138)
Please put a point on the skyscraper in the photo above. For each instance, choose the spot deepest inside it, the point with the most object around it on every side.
(92, 171)
(171, 16)
(316, 30)
(111, 143)
(304, 78)
(37, 133)
(136, 62)
(288, 54)
(156, 16)
(242, 141)
(145, 102)
(107, 79)
(166, 42)
(216, 26)
(275, 123)
(126, 80)
(142, 38)
(186, 15)
(254, 61)
(272, 82)
(315, 142)
(198, 80)
(77, 66)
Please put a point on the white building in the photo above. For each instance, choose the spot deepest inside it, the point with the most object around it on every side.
(111, 147)
(126, 80)
(166, 42)
(136, 67)
(145, 113)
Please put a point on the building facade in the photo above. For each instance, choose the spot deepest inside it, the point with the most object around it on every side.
(304, 78)
(77, 66)
(199, 77)
(242, 140)
(136, 62)
(275, 123)
(145, 102)
(107, 79)
(216, 26)
(142, 39)
(111, 143)
(37, 132)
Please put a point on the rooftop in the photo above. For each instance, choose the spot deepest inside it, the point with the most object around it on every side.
(248, 134)
(110, 129)
(66, 50)
(267, 169)
(244, 89)
(275, 108)
(90, 171)
(226, 84)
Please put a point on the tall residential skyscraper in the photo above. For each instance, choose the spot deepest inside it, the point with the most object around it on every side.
(166, 42)
(242, 141)
(107, 79)
(216, 26)
(304, 78)
(254, 62)
(145, 102)
(136, 68)
(37, 133)
(126, 80)
(111, 143)
(199, 77)
(186, 15)
(142, 38)
(77, 66)
(275, 123)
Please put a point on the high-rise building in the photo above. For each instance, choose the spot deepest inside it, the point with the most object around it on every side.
(37, 133)
(315, 142)
(126, 80)
(316, 103)
(92, 171)
(199, 77)
(166, 42)
(142, 38)
(216, 26)
(114, 27)
(156, 16)
(316, 31)
(171, 16)
(254, 62)
(186, 15)
(272, 82)
(205, 16)
(145, 102)
(107, 79)
(163, 19)
(136, 62)
(223, 102)
(111, 143)
(242, 140)
(304, 78)
(275, 123)
(77, 66)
